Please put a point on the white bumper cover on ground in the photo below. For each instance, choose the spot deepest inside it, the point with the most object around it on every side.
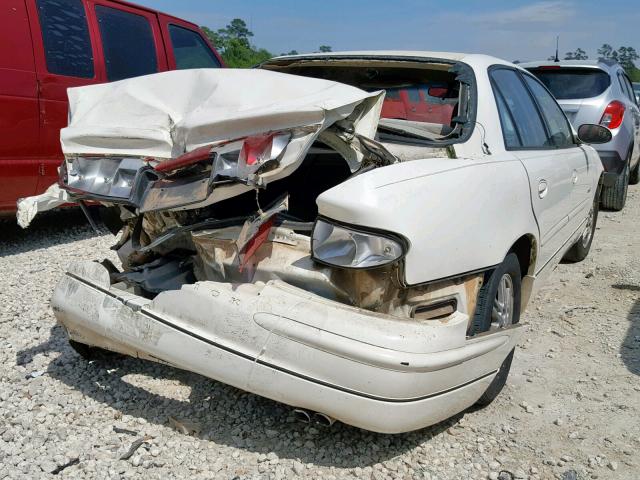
(368, 370)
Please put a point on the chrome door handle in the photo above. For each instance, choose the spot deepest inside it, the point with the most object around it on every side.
(543, 188)
(574, 177)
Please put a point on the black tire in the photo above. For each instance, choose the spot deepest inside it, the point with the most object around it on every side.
(634, 177)
(484, 318)
(484, 305)
(615, 196)
(580, 249)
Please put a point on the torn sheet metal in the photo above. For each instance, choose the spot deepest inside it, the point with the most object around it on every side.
(29, 207)
(167, 114)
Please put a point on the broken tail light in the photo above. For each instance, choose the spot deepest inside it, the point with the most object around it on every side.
(613, 115)
(344, 247)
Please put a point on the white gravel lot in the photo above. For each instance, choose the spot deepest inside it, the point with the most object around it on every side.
(571, 409)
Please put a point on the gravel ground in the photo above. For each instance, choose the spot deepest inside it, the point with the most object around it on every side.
(571, 409)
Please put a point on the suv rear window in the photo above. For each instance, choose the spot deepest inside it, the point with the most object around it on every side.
(127, 41)
(573, 83)
(65, 35)
(190, 50)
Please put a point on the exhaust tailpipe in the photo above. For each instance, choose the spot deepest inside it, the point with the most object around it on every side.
(302, 415)
(322, 419)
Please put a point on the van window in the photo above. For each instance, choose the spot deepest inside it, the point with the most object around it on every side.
(190, 50)
(127, 41)
(65, 35)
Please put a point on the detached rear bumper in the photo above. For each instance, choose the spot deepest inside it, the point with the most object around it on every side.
(365, 369)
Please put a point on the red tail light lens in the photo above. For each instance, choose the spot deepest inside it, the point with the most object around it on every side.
(613, 115)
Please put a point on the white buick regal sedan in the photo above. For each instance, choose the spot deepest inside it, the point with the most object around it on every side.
(352, 234)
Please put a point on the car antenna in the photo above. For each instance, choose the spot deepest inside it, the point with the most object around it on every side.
(557, 60)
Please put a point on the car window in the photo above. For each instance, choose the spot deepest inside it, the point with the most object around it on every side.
(511, 139)
(572, 83)
(190, 50)
(65, 35)
(523, 110)
(559, 129)
(629, 88)
(127, 41)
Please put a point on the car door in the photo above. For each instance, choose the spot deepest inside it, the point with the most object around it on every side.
(635, 112)
(568, 150)
(550, 173)
(19, 124)
(65, 53)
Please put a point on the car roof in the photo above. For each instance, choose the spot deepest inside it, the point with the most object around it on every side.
(473, 59)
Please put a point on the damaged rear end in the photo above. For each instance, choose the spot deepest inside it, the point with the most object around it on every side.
(213, 181)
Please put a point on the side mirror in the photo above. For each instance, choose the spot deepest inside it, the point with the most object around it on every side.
(591, 133)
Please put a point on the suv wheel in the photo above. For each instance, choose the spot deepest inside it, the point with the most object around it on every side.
(615, 196)
(634, 178)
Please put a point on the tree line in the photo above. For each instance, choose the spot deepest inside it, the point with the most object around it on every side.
(625, 56)
(234, 45)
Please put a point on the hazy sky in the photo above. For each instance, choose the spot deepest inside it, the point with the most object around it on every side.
(508, 29)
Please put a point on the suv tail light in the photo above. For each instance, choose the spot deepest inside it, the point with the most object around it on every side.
(613, 115)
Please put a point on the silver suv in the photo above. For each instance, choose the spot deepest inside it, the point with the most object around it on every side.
(600, 92)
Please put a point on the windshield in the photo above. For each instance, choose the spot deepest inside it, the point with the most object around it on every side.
(573, 83)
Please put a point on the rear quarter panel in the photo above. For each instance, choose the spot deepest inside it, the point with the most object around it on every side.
(458, 215)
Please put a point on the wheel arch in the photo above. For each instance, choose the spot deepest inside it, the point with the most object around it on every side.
(526, 249)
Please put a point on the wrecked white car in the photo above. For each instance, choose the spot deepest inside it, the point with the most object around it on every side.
(309, 232)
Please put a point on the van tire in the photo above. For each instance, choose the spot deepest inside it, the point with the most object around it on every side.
(615, 196)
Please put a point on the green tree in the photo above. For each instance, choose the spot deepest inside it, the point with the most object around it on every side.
(234, 45)
(625, 56)
(605, 52)
(579, 54)
(324, 48)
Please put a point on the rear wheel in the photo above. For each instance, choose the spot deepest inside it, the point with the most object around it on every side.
(498, 307)
(615, 196)
(580, 249)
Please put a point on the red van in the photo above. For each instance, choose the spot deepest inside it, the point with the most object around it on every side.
(426, 102)
(47, 46)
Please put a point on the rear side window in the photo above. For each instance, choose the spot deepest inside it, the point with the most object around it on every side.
(559, 129)
(65, 35)
(190, 50)
(574, 83)
(520, 105)
(127, 41)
